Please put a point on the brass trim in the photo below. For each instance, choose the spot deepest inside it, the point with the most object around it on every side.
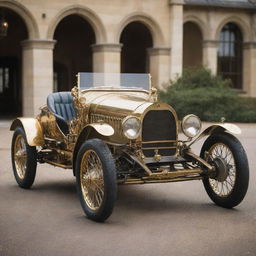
(158, 141)
(131, 181)
(164, 159)
(157, 148)
(174, 174)
(174, 180)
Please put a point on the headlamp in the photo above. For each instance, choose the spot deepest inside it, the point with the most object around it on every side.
(191, 125)
(131, 127)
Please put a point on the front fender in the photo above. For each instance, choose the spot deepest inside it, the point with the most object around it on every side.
(102, 128)
(232, 128)
(91, 131)
(32, 128)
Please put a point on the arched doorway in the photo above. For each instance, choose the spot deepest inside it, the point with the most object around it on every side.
(11, 64)
(230, 54)
(72, 52)
(192, 45)
(136, 39)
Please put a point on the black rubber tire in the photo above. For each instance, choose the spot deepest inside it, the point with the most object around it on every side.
(109, 174)
(242, 170)
(31, 162)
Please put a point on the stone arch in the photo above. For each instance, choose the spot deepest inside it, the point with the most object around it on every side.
(148, 21)
(202, 26)
(25, 14)
(239, 22)
(85, 13)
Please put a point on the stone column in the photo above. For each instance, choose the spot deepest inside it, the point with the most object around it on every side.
(37, 74)
(210, 55)
(176, 40)
(249, 64)
(159, 66)
(107, 58)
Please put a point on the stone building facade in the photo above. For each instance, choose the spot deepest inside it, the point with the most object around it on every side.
(48, 42)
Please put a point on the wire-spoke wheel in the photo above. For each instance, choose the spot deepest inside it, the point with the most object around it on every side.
(91, 179)
(20, 156)
(24, 160)
(96, 179)
(228, 186)
(225, 178)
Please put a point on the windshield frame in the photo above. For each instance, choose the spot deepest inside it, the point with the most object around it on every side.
(101, 78)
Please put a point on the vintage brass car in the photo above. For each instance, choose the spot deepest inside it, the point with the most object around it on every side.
(111, 129)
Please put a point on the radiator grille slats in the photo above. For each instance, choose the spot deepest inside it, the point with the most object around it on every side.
(159, 133)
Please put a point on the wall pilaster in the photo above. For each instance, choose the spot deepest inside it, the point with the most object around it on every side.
(176, 33)
(210, 55)
(159, 66)
(37, 75)
(107, 58)
(249, 64)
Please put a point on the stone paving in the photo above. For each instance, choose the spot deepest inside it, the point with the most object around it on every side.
(158, 219)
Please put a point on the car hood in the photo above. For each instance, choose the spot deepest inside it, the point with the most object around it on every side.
(117, 103)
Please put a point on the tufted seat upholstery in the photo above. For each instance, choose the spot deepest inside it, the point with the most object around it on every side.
(62, 107)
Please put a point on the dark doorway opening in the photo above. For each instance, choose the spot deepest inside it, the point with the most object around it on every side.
(9, 91)
(11, 65)
(192, 45)
(72, 53)
(136, 39)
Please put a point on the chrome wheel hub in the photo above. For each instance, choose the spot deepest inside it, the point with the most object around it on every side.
(221, 169)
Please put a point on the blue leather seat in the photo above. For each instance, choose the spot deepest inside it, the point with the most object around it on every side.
(62, 107)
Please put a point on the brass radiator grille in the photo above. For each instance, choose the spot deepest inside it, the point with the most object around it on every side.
(159, 133)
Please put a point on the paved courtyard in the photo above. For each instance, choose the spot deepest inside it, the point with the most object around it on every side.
(157, 219)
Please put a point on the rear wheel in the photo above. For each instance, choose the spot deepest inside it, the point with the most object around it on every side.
(228, 186)
(24, 159)
(96, 179)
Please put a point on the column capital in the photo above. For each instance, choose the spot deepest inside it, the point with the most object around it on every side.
(249, 45)
(210, 43)
(106, 47)
(38, 44)
(176, 2)
(159, 51)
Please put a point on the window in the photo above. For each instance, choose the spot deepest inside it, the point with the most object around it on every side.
(230, 52)
(4, 79)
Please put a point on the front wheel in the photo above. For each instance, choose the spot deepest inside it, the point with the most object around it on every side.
(96, 179)
(228, 186)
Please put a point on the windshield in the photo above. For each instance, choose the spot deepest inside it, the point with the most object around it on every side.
(113, 81)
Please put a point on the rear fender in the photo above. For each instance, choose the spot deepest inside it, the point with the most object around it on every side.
(216, 128)
(32, 128)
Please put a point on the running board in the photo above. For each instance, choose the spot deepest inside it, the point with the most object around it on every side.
(163, 177)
